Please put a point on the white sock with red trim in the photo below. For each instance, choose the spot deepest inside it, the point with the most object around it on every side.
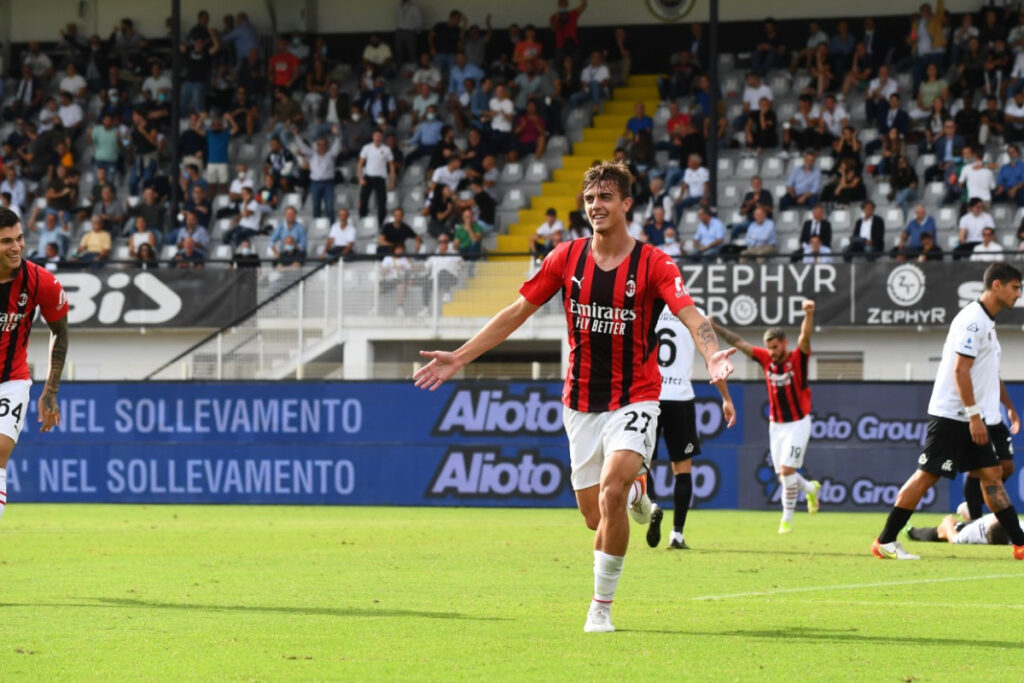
(3, 490)
(790, 490)
(607, 570)
(636, 490)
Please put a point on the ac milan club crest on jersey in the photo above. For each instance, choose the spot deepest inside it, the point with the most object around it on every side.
(22, 299)
(630, 287)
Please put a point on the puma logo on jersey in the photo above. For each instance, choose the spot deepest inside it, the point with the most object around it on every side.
(579, 282)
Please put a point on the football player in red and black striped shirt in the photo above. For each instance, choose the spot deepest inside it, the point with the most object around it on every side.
(613, 288)
(789, 403)
(24, 286)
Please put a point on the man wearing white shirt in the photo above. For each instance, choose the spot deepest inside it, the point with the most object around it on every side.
(670, 245)
(594, 79)
(989, 251)
(156, 81)
(972, 224)
(876, 101)
(70, 114)
(321, 170)
(341, 239)
(408, 23)
(502, 111)
(833, 119)
(978, 179)
(247, 222)
(816, 252)
(696, 180)
(542, 237)
(450, 174)
(753, 92)
(1013, 114)
(15, 186)
(376, 172)
(73, 82)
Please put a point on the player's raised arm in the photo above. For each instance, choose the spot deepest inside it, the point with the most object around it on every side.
(49, 410)
(444, 364)
(732, 338)
(807, 327)
(719, 365)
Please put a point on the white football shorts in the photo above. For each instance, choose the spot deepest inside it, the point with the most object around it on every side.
(592, 436)
(789, 442)
(14, 407)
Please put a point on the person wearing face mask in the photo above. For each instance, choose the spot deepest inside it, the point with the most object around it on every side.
(355, 132)
(289, 256)
(245, 256)
(426, 137)
(379, 104)
(157, 80)
(671, 245)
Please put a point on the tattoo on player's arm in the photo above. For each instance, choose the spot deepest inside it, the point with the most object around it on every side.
(706, 336)
(58, 354)
(997, 499)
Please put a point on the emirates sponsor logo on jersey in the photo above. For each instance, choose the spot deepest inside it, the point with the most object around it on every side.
(600, 319)
(781, 379)
(9, 321)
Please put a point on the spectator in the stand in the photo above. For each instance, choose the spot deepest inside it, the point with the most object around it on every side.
(355, 132)
(928, 40)
(880, 90)
(106, 145)
(444, 268)
(243, 114)
(930, 250)
(868, 236)
(540, 243)
(932, 88)
(333, 109)
(1010, 182)
(377, 54)
(245, 256)
(217, 139)
(289, 227)
(756, 197)
(189, 256)
(15, 186)
(502, 112)
(762, 129)
(375, 171)
(594, 82)
(655, 196)
(962, 35)
(988, 251)
(527, 84)
(1013, 117)
(142, 235)
(769, 52)
(37, 61)
(815, 226)
(317, 87)
(709, 238)
(833, 119)
(904, 185)
(110, 210)
(240, 180)
(894, 118)
(28, 96)
(198, 70)
(408, 24)
(246, 224)
(5, 201)
(426, 137)
(427, 73)
(469, 235)
(199, 204)
(841, 47)
(152, 210)
(971, 226)
(421, 103)
(61, 193)
(73, 83)
(528, 50)
(289, 254)
(696, 182)
(912, 237)
(947, 148)
(530, 132)
(998, 67)
(380, 106)
(977, 180)
(396, 232)
(461, 71)
(147, 258)
(287, 113)
(72, 118)
(194, 231)
(94, 247)
(848, 186)
(823, 70)
(441, 211)
(283, 67)
(54, 232)
(321, 171)
(157, 81)
(445, 38)
(563, 25)
(449, 174)
(992, 121)
(803, 185)
(859, 74)
(341, 239)
(654, 229)
(475, 43)
(802, 128)
(445, 151)
(753, 92)
(816, 251)
(482, 204)
(670, 247)
(761, 240)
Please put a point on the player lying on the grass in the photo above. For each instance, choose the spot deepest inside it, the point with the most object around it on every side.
(984, 531)
(789, 400)
(1001, 437)
(963, 405)
(678, 423)
(24, 286)
(613, 289)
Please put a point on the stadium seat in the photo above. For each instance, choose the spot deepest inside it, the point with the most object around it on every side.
(924, 162)
(558, 144)
(121, 253)
(513, 200)
(512, 173)
(726, 61)
(220, 202)
(1002, 215)
(220, 228)
(537, 172)
(792, 244)
(746, 168)
(391, 201)
(168, 252)
(893, 217)
(801, 81)
(1010, 242)
(413, 176)
(788, 221)
(946, 218)
(866, 135)
(730, 195)
(368, 226)
(223, 252)
(841, 220)
(321, 226)
(825, 163)
(419, 225)
(784, 110)
(731, 86)
(779, 84)
(726, 167)
(293, 199)
(773, 167)
(934, 192)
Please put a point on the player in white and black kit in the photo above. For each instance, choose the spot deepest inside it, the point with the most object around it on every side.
(984, 531)
(964, 402)
(678, 422)
(1001, 437)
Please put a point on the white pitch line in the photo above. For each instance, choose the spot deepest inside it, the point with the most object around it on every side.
(853, 586)
(930, 605)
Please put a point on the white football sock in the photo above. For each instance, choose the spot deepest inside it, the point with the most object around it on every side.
(607, 570)
(676, 536)
(790, 489)
(3, 490)
(803, 484)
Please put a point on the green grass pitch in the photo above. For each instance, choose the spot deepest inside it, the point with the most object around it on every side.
(293, 593)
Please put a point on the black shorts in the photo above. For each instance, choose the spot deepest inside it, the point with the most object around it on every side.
(1000, 437)
(948, 449)
(678, 423)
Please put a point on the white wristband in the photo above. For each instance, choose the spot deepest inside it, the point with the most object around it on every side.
(971, 411)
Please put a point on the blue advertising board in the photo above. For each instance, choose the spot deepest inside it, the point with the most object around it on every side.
(478, 444)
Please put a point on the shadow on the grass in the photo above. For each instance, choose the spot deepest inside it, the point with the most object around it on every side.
(271, 609)
(840, 636)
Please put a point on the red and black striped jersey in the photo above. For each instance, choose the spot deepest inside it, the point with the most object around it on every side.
(611, 315)
(789, 395)
(32, 287)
